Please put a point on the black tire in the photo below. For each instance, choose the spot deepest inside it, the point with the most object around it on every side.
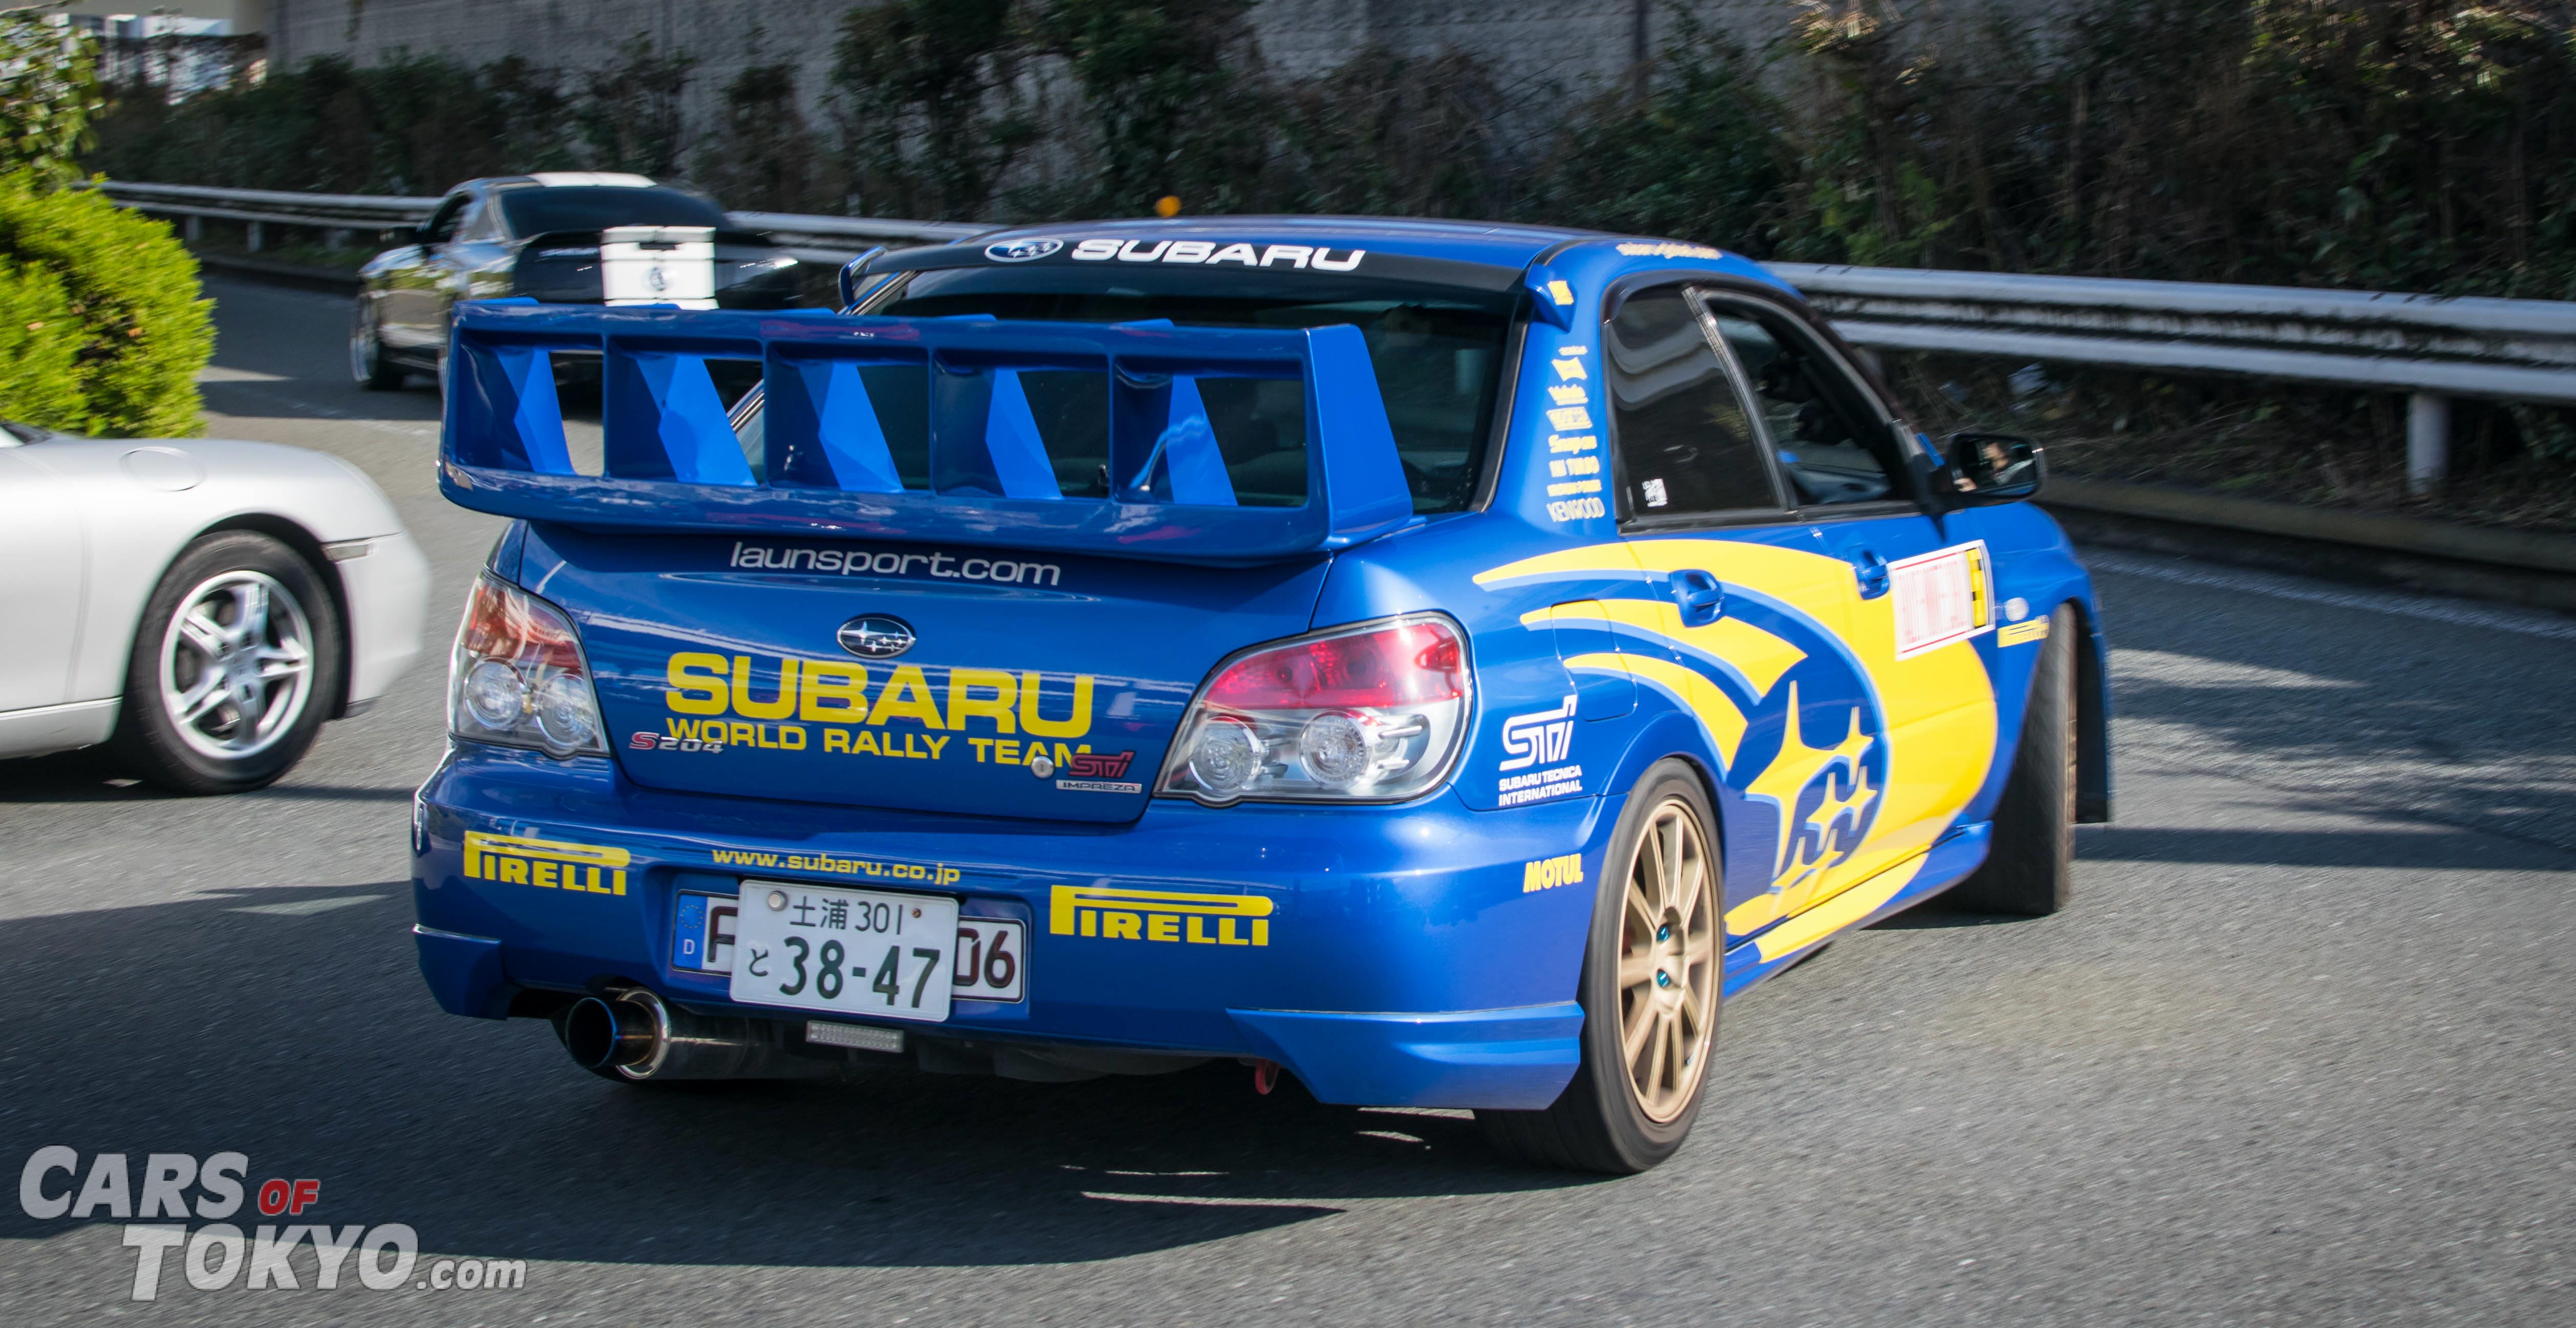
(368, 364)
(2030, 872)
(264, 708)
(1601, 1122)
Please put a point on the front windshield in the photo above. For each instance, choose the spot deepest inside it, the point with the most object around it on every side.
(536, 209)
(1438, 351)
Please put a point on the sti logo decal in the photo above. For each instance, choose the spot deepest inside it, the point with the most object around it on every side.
(1542, 736)
(1087, 765)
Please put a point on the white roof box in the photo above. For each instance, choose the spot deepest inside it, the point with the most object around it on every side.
(616, 178)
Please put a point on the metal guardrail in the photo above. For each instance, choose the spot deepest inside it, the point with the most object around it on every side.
(385, 209)
(2430, 348)
(838, 239)
(815, 239)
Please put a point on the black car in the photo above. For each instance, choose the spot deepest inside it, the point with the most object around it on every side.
(539, 236)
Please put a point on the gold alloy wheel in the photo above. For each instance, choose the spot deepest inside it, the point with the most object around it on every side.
(1668, 962)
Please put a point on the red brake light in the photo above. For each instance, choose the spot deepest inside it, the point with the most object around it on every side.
(1372, 712)
(1407, 664)
(516, 676)
(500, 625)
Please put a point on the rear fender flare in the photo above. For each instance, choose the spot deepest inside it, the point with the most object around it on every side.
(1670, 734)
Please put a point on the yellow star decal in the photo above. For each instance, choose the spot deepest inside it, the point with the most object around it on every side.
(1857, 794)
(1780, 783)
(1788, 775)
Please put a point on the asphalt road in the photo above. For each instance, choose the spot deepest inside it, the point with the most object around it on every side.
(2297, 1055)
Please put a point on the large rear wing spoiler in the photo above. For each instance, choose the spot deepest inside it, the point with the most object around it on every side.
(826, 461)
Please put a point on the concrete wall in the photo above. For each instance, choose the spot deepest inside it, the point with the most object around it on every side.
(244, 15)
(1576, 46)
(1543, 52)
(572, 34)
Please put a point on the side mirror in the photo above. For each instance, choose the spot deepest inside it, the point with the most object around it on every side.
(1993, 468)
(420, 235)
(854, 275)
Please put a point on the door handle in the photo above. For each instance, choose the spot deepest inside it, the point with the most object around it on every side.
(1700, 596)
(1871, 571)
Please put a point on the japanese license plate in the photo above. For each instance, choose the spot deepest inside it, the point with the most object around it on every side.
(855, 952)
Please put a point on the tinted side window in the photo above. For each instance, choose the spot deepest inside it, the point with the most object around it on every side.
(1683, 437)
(442, 224)
(1437, 352)
(1831, 450)
(480, 222)
(535, 209)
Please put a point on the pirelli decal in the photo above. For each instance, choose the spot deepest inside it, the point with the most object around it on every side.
(1116, 913)
(547, 864)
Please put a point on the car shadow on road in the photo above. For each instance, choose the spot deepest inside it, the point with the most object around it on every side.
(303, 1037)
(81, 776)
(2429, 846)
(91, 776)
(2434, 847)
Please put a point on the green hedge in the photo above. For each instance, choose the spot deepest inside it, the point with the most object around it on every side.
(39, 348)
(105, 332)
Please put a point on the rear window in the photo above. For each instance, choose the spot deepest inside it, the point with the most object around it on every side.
(537, 209)
(1438, 352)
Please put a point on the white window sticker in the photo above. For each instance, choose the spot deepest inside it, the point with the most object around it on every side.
(1941, 597)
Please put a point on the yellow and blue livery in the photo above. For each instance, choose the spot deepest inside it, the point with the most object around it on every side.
(1443, 661)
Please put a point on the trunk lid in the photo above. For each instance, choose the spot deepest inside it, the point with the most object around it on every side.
(1040, 685)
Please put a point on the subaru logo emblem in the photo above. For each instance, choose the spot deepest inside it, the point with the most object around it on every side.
(875, 636)
(1020, 251)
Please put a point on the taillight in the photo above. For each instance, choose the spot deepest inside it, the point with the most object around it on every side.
(1371, 713)
(517, 676)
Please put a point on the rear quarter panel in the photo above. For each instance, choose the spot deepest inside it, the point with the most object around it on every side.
(1550, 537)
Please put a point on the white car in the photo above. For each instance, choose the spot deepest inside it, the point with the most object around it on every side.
(201, 606)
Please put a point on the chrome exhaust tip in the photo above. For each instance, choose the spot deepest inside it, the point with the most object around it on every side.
(615, 1032)
(638, 1036)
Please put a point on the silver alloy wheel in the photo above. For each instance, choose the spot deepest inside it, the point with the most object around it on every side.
(1668, 963)
(236, 665)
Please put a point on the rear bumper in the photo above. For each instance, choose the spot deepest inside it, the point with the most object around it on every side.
(1469, 1058)
(1404, 961)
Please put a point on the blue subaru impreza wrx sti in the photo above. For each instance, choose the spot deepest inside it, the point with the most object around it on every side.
(1441, 661)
